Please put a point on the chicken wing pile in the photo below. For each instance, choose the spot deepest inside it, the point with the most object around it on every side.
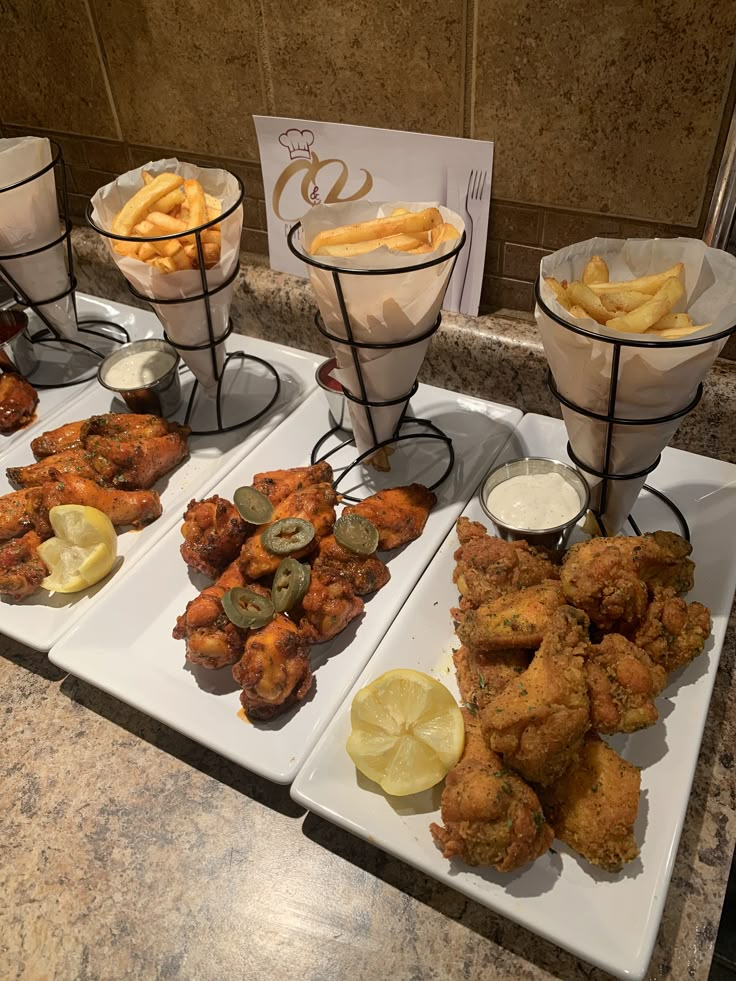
(109, 462)
(552, 656)
(272, 663)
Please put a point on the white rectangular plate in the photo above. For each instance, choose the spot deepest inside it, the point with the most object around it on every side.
(609, 920)
(141, 664)
(41, 619)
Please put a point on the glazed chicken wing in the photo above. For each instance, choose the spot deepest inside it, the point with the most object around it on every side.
(593, 806)
(329, 606)
(212, 639)
(128, 425)
(22, 511)
(623, 682)
(672, 632)
(274, 670)
(277, 485)
(490, 816)
(489, 567)
(66, 437)
(517, 619)
(315, 503)
(537, 723)
(139, 463)
(18, 401)
(136, 508)
(213, 534)
(399, 513)
(365, 573)
(21, 568)
(76, 461)
(610, 578)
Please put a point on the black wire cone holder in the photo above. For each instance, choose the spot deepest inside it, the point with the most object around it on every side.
(107, 330)
(211, 344)
(610, 419)
(431, 431)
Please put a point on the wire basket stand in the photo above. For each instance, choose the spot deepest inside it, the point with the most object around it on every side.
(610, 419)
(235, 359)
(414, 428)
(93, 327)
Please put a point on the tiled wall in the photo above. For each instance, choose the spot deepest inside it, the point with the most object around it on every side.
(606, 121)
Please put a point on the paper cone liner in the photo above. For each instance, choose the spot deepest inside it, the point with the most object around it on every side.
(653, 382)
(186, 322)
(29, 219)
(385, 308)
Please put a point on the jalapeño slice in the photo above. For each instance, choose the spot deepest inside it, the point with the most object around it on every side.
(253, 506)
(290, 584)
(247, 609)
(287, 535)
(356, 533)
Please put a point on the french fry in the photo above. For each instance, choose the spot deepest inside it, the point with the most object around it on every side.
(170, 202)
(147, 177)
(213, 205)
(399, 211)
(146, 251)
(676, 332)
(136, 209)
(623, 301)
(577, 311)
(583, 296)
(126, 248)
(376, 228)
(644, 284)
(671, 321)
(167, 223)
(196, 202)
(639, 320)
(210, 250)
(163, 264)
(596, 271)
(559, 290)
(404, 243)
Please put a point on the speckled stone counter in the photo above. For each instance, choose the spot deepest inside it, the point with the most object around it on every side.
(129, 852)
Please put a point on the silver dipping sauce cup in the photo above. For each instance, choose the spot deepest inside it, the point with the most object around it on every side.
(336, 401)
(161, 396)
(556, 537)
(16, 348)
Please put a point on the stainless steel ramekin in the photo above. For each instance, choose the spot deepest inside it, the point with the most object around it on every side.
(160, 397)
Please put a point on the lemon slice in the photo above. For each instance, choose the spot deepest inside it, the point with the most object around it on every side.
(83, 550)
(407, 732)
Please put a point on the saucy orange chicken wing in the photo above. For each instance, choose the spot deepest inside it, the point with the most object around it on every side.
(399, 513)
(274, 670)
(213, 534)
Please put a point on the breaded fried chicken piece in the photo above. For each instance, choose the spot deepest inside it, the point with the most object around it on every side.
(611, 578)
(517, 619)
(488, 567)
(277, 485)
(593, 806)
(490, 816)
(399, 513)
(274, 670)
(672, 632)
(365, 573)
(481, 677)
(623, 682)
(537, 723)
(213, 534)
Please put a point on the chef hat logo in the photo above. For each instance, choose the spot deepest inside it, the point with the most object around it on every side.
(298, 142)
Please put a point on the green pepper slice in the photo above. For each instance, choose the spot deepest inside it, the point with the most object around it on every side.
(290, 584)
(287, 535)
(253, 506)
(247, 609)
(356, 533)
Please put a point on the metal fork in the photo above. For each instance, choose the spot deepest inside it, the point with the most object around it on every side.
(474, 196)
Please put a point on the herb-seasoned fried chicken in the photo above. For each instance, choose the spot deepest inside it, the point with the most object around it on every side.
(365, 573)
(490, 816)
(611, 578)
(21, 568)
(213, 534)
(537, 723)
(399, 513)
(481, 677)
(488, 567)
(623, 682)
(672, 631)
(517, 619)
(140, 462)
(277, 485)
(274, 670)
(212, 639)
(18, 401)
(593, 806)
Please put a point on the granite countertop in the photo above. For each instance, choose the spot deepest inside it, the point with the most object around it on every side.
(129, 851)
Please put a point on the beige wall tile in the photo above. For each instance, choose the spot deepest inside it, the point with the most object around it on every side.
(612, 109)
(52, 76)
(186, 76)
(395, 64)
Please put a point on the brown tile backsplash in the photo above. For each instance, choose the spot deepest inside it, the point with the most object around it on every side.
(511, 223)
(522, 261)
(506, 294)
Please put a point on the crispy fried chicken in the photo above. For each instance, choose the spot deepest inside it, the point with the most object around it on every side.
(516, 619)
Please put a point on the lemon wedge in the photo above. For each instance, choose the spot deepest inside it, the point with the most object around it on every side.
(407, 732)
(82, 551)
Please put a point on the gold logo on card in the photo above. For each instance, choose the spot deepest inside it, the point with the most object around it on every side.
(306, 166)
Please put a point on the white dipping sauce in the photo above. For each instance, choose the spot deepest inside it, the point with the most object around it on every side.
(535, 501)
(138, 369)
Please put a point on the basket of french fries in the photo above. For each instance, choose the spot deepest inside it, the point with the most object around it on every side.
(173, 230)
(630, 330)
(380, 272)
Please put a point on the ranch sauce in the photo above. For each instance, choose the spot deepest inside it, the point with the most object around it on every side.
(139, 369)
(534, 501)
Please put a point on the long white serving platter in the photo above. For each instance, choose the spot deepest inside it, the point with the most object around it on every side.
(41, 619)
(609, 920)
(124, 645)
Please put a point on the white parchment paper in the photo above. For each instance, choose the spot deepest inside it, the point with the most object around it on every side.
(185, 323)
(29, 218)
(653, 382)
(382, 309)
